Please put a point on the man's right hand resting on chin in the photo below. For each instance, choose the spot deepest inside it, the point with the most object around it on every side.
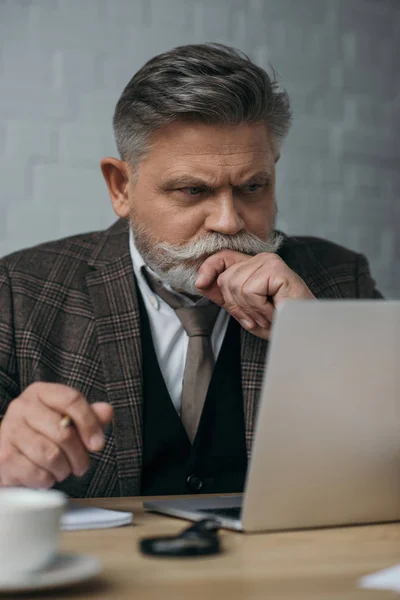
(36, 450)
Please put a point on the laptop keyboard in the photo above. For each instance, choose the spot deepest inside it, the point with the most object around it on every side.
(232, 512)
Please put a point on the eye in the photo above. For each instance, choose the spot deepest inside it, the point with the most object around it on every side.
(193, 190)
(252, 187)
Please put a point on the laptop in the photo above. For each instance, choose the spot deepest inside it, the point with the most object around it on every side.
(327, 440)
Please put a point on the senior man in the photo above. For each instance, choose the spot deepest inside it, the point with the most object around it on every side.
(151, 336)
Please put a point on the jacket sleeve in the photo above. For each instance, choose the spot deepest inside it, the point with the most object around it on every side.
(9, 380)
(366, 286)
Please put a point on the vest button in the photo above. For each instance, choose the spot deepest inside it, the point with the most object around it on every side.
(194, 483)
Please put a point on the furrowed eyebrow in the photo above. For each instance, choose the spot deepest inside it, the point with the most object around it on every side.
(191, 181)
(261, 177)
(185, 181)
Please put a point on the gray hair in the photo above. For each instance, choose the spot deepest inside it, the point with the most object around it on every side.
(205, 83)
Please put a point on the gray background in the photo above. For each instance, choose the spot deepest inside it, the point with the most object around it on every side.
(63, 64)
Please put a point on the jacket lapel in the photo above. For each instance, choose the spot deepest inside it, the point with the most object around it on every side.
(112, 290)
(253, 354)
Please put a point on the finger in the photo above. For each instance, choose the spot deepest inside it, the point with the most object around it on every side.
(103, 412)
(260, 319)
(45, 421)
(253, 294)
(262, 332)
(42, 452)
(250, 319)
(213, 293)
(19, 471)
(232, 307)
(229, 281)
(216, 264)
(71, 402)
(276, 280)
(238, 281)
(245, 321)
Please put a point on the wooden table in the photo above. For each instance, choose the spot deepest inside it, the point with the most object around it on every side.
(318, 564)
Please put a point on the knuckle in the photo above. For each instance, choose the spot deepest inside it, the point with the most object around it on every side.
(236, 287)
(65, 435)
(275, 260)
(51, 454)
(33, 387)
(222, 280)
(247, 290)
(231, 307)
(271, 256)
(33, 390)
(237, 314)
(71, 397)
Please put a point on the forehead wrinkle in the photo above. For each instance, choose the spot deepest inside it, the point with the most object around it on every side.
(198, 177)
(203, 147)
(240, 169)
(217, 151)
(226, 160)
(199, 165)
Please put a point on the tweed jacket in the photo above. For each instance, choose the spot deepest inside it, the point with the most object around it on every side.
(69, 314)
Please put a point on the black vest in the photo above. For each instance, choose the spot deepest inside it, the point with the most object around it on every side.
(217, 461)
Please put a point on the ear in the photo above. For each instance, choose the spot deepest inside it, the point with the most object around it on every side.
(116, 174)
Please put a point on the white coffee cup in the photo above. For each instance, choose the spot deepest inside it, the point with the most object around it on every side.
(29, 529)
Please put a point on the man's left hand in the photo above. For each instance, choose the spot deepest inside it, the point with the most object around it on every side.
(250, 287)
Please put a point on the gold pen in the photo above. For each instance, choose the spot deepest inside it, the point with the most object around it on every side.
(65, 421)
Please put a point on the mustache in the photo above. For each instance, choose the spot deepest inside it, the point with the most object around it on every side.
(211, 243)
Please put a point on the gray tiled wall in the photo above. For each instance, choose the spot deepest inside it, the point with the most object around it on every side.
(63, 64)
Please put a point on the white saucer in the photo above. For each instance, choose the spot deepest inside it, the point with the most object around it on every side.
(66, 569)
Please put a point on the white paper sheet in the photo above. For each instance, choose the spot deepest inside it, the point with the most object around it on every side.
(388, 579)
(89, 517)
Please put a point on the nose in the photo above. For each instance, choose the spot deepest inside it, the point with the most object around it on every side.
(223, 216)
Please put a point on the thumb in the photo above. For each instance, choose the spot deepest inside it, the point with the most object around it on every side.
(103, 411)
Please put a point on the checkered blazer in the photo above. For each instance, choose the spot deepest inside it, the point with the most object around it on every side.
(69, 314)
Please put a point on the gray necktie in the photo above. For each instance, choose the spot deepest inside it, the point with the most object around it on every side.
(198, 322)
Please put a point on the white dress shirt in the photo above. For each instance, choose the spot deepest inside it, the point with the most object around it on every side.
(169, 337)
